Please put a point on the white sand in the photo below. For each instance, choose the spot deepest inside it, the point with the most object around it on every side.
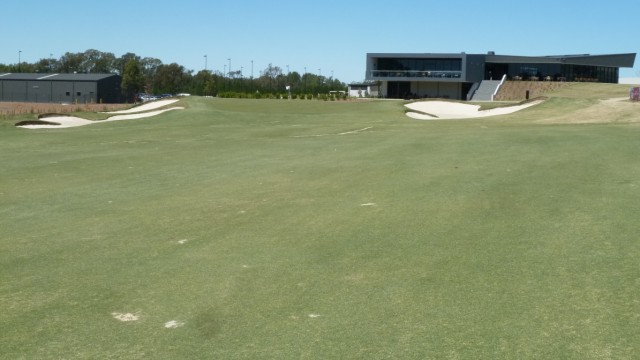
(173, 324)
(125, 317)
(454, 110)
(152, 105)
(134, 113)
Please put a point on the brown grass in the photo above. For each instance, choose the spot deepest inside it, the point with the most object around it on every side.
(517, 90)
(591, 111)
(20, 108)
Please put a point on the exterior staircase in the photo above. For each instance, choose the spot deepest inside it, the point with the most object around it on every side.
(486, 90)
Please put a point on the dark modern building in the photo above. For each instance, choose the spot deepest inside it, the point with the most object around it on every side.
(60, 88)
(458, 76)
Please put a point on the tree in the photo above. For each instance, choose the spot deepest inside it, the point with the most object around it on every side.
(121, 62)
(270, 74)
(170, 79)
(70, 62)
(150, 66)
(132, 80)
(203, 83)
(45, 66)
(98, 62)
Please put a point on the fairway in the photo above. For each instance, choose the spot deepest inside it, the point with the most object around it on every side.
(296, 229)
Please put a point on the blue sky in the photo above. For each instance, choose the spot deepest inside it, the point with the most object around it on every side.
(327, 37)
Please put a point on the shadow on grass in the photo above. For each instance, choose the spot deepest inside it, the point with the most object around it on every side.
(35, 122)
(209, 323)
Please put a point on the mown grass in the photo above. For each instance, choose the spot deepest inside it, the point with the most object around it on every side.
(321, 230)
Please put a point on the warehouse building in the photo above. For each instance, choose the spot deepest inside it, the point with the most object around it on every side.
(60, 88)
(461, 75)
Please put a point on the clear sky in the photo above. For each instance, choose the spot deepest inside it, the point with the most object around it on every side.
(327, 37)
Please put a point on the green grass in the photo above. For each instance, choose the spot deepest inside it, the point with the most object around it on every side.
(498, 238)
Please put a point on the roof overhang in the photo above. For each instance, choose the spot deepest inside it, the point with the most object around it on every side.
(612, 60)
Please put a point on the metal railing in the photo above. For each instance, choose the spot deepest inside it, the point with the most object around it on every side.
(493, 96)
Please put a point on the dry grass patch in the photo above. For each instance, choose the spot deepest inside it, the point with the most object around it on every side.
(618, 110)
(20, 108)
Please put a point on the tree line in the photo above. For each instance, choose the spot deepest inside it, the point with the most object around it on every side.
(151, 75)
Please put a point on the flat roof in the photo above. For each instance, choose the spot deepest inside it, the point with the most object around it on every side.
(53, 77)
(610, 60)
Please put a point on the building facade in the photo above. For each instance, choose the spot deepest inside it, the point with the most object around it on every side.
(60, 88)
(363, 90)
(413, 75)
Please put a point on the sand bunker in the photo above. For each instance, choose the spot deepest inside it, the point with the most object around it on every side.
(145, 107)
(173, 324)
(125, 317)
(138, 112)
(438, 110)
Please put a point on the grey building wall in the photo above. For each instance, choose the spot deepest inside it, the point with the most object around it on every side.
(38, 91)
(109, 90)
(14, 90)
(447, 90)
(62, 92)
(68, 88)
(474, 68)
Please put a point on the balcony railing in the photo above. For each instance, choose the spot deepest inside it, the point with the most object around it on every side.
(440, 74)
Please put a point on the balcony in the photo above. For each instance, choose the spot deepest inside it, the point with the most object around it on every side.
(415, 74)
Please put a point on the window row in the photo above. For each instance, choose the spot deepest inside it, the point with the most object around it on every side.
(418, 64)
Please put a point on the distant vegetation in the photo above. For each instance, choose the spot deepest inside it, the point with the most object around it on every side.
(151, 75)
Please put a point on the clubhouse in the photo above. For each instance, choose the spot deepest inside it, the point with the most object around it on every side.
(461, 75)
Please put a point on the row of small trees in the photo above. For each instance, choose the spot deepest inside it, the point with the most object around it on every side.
(152, 76)
(282, 95)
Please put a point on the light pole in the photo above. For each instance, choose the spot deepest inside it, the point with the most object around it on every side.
(229, 74)
(241, 79)
(331, 81)
(50, 62)
(251, 69)
(205, 62)
(19, 59)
